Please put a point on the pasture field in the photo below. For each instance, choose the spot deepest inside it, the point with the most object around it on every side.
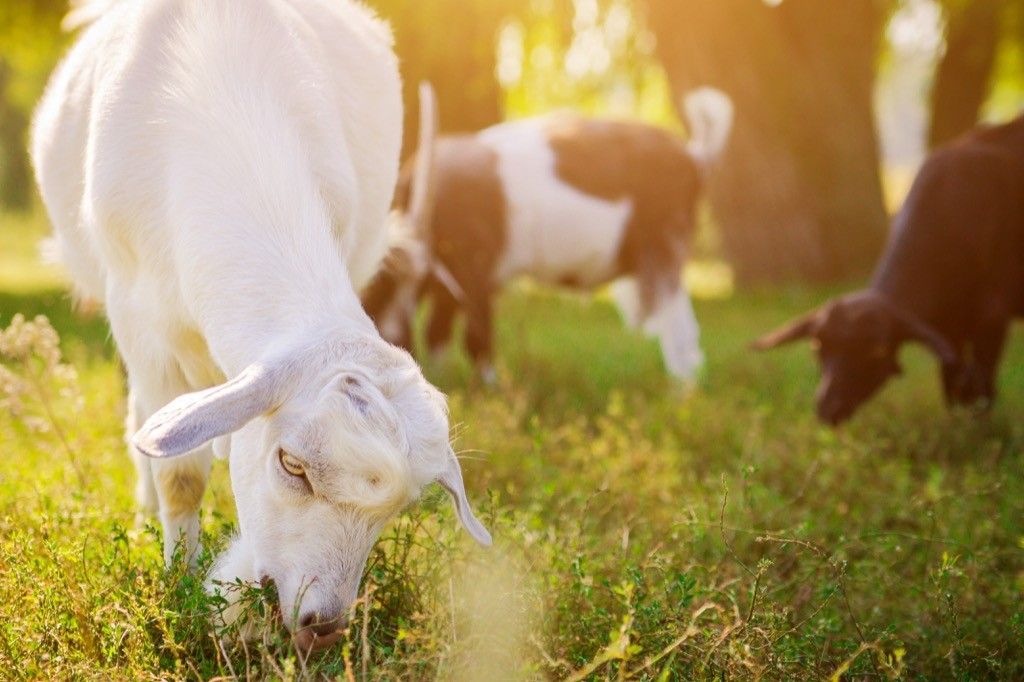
(642, 532)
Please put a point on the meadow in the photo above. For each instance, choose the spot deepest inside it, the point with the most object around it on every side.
(642, 531)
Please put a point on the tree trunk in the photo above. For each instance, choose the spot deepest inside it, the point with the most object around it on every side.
(964, 75)
(15, 174)
(452, 44)
(798, 194)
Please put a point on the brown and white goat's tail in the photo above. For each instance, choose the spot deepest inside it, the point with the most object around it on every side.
(709, 115)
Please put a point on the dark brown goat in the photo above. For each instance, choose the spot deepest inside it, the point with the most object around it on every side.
(951, 278)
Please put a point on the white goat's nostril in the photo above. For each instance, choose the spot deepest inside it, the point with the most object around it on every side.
(321, 626)
(310, 642)
(315, 633)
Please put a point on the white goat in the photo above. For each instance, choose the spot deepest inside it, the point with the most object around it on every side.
(218, 173)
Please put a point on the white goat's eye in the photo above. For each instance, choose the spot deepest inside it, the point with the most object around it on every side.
(291, 465)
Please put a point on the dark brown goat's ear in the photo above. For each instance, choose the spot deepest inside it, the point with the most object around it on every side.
(911, 328)
(795, 330)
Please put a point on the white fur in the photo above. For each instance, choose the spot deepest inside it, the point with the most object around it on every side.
(555, 231)
(218, 174)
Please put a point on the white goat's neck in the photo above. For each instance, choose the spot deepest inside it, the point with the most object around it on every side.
(261, 255)
(273, 290)
(264, 206)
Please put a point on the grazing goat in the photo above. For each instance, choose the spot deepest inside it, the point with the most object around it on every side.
(952, 278)
(218, 173)
(565, 200)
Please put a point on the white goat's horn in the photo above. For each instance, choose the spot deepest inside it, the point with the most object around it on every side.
(422, 202)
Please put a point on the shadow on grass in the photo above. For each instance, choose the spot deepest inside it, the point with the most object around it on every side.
(533, 330)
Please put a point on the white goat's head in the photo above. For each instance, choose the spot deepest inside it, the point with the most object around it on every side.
(327, 445)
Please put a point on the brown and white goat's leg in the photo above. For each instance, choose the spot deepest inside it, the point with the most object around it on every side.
(444, 307)
(675, 324)
(480, 336)
(661, 306)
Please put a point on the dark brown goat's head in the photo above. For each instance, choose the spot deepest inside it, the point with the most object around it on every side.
(857, 338)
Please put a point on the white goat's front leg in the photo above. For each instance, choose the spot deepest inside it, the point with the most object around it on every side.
(173, 486)
(180, 484)
(145, 488)
(669, 318)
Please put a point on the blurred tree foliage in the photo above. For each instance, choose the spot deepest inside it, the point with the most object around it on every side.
(596, 56)
(1008, 79)
(30, 42)
(500, 58)
(451, 43)
(977, 31)
(799, 192)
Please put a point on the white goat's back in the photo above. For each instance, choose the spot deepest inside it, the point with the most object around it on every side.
(164, 108)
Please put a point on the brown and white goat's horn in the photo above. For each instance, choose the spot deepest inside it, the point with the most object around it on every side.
(447, 280)
(421, 205)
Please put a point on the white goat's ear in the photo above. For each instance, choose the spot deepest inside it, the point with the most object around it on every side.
(194, 419)
(451, 480)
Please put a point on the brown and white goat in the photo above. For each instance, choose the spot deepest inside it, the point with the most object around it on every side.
(565, 200)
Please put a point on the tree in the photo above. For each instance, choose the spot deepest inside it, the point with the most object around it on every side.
(451, 43)
(963, 76)
(30, 42)
(799, 193)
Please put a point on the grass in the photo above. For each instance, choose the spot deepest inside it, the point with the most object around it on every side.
(641, 532)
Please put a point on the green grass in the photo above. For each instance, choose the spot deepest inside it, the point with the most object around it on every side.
(641, 532)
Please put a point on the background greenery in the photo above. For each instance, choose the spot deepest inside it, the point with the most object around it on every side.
(804, 74)
(641, 532)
